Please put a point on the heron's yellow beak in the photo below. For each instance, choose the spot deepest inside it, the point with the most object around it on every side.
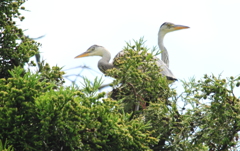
(177, 27)
(85, 54)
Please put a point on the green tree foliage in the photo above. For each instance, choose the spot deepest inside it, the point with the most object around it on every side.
(204, 117)
(37, 113)
(143, 112)
(214, 117)
(139, 77)
(17, 115)
(82, 121)
(35, 116)
(143, 87)
(5, 147)
(16, 49)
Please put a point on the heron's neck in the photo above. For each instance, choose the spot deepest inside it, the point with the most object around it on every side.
(164, 53)
(103, 64)
(106, 56)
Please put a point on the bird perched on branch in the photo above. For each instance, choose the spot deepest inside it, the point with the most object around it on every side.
(103, 63)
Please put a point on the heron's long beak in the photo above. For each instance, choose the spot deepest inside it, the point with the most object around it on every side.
(85, 54)
(177, 27)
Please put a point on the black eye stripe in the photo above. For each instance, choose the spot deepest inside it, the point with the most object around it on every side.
(168, 24)
(93, 47)
(164, 24)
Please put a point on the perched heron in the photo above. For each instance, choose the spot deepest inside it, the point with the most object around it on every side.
(103, 64)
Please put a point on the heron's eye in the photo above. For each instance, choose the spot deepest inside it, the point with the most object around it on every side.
(170, 25)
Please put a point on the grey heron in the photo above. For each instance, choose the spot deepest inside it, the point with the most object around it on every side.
(103, 63)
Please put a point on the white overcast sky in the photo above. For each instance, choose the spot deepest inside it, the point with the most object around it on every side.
(210, 45)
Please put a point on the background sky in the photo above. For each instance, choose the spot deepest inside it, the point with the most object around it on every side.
(209, 46)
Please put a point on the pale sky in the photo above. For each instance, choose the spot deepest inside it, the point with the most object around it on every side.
(210, 45)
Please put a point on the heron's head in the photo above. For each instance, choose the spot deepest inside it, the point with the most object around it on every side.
(94, 50)
(169, 27)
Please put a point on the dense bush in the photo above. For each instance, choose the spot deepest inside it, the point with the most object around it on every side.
(203, 117)
(143, 112)
(16, 48)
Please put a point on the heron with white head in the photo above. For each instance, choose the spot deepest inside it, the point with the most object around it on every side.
(103, 63)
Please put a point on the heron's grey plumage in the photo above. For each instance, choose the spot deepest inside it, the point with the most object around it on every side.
(103, 63)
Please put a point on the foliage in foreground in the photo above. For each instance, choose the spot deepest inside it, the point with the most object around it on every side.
(215, 111)
(34, 116)
(37, 113)
(204, 117)
(5, 146)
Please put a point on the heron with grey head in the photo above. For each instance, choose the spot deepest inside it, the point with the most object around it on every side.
(103, 63)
